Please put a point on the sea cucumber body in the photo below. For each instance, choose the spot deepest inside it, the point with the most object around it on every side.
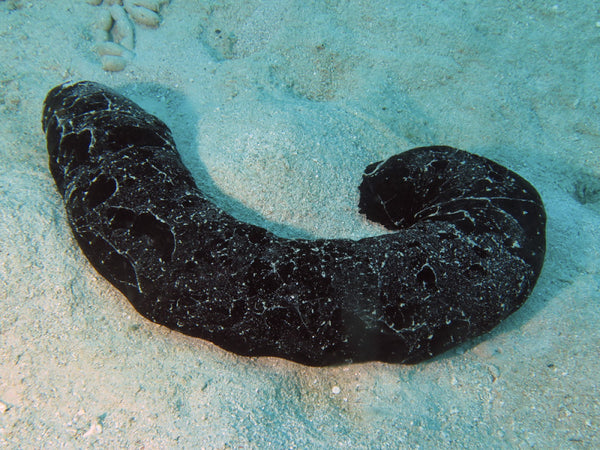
(468, 247)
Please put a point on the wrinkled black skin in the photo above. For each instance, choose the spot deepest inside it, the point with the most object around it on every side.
(468, 247)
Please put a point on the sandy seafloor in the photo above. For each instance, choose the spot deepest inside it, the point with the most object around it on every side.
(277, 107)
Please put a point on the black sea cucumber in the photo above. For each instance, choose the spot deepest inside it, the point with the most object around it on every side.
(468, 247)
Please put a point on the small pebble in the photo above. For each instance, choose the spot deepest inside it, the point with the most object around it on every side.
(494, 372)
(113, 63)
(153, 5)
(110, 48)
(142, 15)
(122, 30)
(104, 21)
(95, 428)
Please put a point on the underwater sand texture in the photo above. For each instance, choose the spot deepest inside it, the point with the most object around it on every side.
(277, 107)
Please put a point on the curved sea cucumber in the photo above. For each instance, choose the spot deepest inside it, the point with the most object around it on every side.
(468, 247)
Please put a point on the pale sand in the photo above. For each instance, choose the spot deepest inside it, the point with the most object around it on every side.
(278, 114)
